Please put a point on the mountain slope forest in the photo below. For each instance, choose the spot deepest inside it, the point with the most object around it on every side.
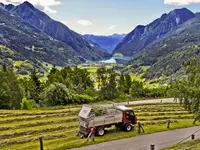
(165, 57)
(160, 48)
(29, 38)
(142, 36)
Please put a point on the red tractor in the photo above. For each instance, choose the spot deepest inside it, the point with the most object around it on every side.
(120, 116)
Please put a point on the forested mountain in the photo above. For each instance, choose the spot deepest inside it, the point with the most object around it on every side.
(23, 44)
(142, 36)
(106, 42)
(56, 30)
(166, 56)
(28, 36)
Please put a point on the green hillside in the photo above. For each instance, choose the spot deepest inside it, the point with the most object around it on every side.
(164, 58)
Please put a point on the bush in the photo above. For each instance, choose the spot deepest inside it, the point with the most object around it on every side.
(91, 92)
(56, 94)
(80, 99)
(28, 104)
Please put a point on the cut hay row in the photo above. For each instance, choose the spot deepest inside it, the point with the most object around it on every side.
(46, 136)
(35, 112)
(162, 113)
(166, 117)
(29, 118)
(36, 130)
(159, 110)
(34, 123)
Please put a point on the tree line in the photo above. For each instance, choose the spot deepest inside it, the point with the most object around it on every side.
(69, 86)
(187, 90)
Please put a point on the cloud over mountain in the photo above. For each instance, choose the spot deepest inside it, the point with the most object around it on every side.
(44, 5)
(112, 27)
(84, 22)
(181, 2)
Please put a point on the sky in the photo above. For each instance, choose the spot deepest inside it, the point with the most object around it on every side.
(106, 17)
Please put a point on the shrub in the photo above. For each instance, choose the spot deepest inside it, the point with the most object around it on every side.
(28, 104)
(56, 94)
(80, 99)
(91, 92)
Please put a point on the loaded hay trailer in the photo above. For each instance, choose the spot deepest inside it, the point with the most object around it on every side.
(120, 116)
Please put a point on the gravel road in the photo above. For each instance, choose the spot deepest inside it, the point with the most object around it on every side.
(164, 100)
(161, 140)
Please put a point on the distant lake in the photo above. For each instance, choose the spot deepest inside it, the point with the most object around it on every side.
(116, 59)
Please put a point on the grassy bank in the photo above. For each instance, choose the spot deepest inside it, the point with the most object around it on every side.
(190, 145)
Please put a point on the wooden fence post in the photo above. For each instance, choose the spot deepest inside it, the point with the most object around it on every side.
(195, 120)
(152, 147)
(192, 137)
(168, 124)
(41, 143)
(139, 131)
(92, 135)
(140, 127)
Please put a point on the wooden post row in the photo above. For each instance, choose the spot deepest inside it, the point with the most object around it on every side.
(140, 127)
(168, 124)
(152, 147)
(192, 137)
(41, 143)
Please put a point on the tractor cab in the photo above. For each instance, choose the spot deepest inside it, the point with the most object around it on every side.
(128, 114)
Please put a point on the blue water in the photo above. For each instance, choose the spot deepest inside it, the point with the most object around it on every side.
(114, 58)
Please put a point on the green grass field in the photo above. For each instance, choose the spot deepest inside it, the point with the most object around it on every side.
(191, 145)
(20, 130)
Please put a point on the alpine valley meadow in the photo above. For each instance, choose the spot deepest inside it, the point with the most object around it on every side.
(48, 71)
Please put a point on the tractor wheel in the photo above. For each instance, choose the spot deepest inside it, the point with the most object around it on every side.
(128, 127)
(100, 131)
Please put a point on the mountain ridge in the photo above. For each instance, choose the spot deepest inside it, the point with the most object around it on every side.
(107, 42)
(56, 30)
(21, 42)
(145, 35)
(164, 58)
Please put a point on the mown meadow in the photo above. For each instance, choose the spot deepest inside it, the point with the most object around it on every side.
(21, 129)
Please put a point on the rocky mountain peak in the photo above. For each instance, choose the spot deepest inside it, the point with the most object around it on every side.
(1, 4)
(27, 4)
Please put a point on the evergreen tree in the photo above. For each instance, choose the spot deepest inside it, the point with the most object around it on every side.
(137, 89)
(10, 91)
(109, 87)
(35, 86)
(128, 83)
(122, 84)
(52, 71)
(4, 67)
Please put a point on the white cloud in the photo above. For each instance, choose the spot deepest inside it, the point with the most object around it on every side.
(112, 27)
(84, 22)
(44, 5)
(181, 2)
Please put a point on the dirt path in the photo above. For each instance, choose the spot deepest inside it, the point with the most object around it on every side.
(161, 140)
